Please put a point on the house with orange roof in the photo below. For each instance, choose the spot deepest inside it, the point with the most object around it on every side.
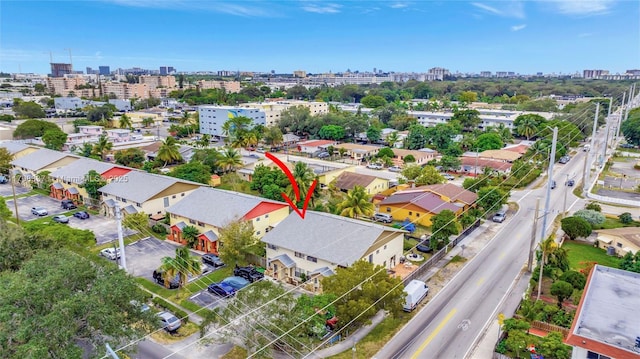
(209, 210)
(372, 185)
(416, 206)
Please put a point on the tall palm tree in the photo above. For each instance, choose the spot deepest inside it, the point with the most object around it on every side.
(252, 138)
(169, 151)
(304, 176)
(546, 247)
(204, 140)
(393, 138)
(273, 136)
(230, 159)
(190, 234)
(102, 147)
(186, 120)
(125, 121)
(527, 127)
(181, 265)
(147, 122)
(357, 203)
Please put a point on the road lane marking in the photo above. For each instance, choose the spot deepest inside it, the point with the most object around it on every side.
(434, 333)
(480, 281)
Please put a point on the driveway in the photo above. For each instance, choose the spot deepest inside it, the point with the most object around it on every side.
(5, 190)
(37, 200)
(104, 228)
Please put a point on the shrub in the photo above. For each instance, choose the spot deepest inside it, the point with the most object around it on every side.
(591, 216)
(576, 227)
(160, 229)
(594, 207)
(181, 314)
(625, 218)
(576, 279)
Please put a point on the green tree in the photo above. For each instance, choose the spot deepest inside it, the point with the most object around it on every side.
(469, 119)
(576, 227)
(411, 172)
(374, 134)
(362, 289)
(576, 279)
(631, 262)
(190, 234)
(443, 225)
(357, 203)
(386, 152)
(7, 118)
(517, 342)
(547, 247)
(331, 132)
(542, 105)
(33, 128)
(230, 159)
(80, 122)
(304, 176)
(429, 175)
(467, 97)
(417, 137)
(625, 218)
(562, 290)
(594, 218)
(28, 109)
(273, 136)
(92, 183)
(101, 113)
(192, 171)
(102, 147)
(48, 312)
(86, 150)
(138, 221)
(409, 159)
(270, 182)
(631, 128)
(373, 101)
(130, 157)
(393, 138)
(440, 136)
(54, 139)
(5, 212)
(125, 121)
(169, 151)
(182, 265)
(295, 119)
(449, 163)
(237, 239)
(40, 88)
(489, 141)
(492, 198)
(593, 206)
(5, 160)
(527, 125)
(552, 346)
(208, 157)
(146, 122)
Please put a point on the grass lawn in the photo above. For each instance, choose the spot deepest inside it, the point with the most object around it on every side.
(578, 252)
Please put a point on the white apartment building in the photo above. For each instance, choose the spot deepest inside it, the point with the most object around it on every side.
(273, 110)
(212, 118)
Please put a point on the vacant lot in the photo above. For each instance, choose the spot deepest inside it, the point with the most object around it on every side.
(582, 252)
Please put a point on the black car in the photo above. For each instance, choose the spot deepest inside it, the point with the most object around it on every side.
(4, 179)
(158, 276)
(553, 184)
(212, 260)
(81, 215)
(424, 247)
(68, 204)
(570, 183)
(249, 273)
(221, 289)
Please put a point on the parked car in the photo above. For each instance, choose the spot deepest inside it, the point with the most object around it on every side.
(169, 322)
(249, 273)
(158, 276)
(553, 185)
(81, 215)
(110, 253)
(448, 177)
(68, 204)
(222, 289)
(236, 282)
(382, 217)
(564, 159)
(424, 247)
(571, 182)
(374, 166)
(39, 211)
(212, 260)
(4, 180)
(395, 169)
(61, 218)
(323, 154)
(499, 217)
(623, 145)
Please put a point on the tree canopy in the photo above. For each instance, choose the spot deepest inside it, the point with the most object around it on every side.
(34, 128)
(192, 171)
(28, 109)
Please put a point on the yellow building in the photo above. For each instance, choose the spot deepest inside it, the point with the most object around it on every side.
(449, 193)
(139, 191)
(273, 110)
(18, 149)
(358, 152)
(210, 209)
(27, 167)
(372, 185)
(417, 207)
(138, 117)
(622, 240)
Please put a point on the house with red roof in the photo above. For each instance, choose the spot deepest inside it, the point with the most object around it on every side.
(416, 206)
(314, 146)
(209, 210)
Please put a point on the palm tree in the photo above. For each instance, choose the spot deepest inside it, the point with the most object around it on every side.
(230, 159)
(186, 120)
(102, 147)
(147, 122)
(304, 176)
(125, 121)
(190, 234)
(252, 138)
(169, 151)
(357, 203)
(182, 265)
(204, 140)
(273, 136)
(393, 138)
(527, 127)
(547, 247)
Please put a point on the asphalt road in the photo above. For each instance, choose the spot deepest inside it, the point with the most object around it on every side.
(448, 327)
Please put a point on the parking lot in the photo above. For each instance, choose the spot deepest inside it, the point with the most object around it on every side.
(105, 228)
(6, 191)
(37, 200)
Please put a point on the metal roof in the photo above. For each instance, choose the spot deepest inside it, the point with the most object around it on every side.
(140, 186)
(75, 172)
(40, 159)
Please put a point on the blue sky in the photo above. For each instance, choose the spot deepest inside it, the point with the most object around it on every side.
(321, 36)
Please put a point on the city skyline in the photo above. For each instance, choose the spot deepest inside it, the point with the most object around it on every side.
(526, 37)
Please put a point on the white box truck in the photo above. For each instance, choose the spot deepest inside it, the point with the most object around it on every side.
(416, 290)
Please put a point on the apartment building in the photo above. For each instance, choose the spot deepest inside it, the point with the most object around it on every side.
(228, 86)
(64, 85)
(154, 82)
(273, 110)
(212, 118)
(123, 90)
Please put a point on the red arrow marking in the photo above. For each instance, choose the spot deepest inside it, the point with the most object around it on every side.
(294, 185)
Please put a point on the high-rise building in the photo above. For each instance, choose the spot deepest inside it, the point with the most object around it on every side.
(89, 70)
(163, 71)
(171, 70)
(104, 70)
(60, 69)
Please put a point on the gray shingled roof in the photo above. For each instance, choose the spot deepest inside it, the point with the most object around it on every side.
(75, 172)
(211, 235)
(57, 185)
(72, 190)
(110, 203)
(285, 260)
(130, 209)
(139, 186)
(332, 238)
(216, 207)
(14, 147)
(40, 159)
(324, 271)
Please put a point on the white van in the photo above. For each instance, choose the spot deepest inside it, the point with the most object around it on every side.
(382, 217)
(416, 291)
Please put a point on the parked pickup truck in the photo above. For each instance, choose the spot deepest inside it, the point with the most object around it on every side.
(416, 291)
(249, 273)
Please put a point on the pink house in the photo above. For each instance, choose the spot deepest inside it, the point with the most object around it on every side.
(119, 135)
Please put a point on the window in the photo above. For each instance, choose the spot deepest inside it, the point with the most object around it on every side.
(124, 200)
(173, 215)
(138, 205)
(257, 219)
(200, 224)
(271, 246)
(174, 196)
(312, 259)
(181, 194)
(378, 251)
(298, 272)
(266, 216)
(388, 209)
(299, 255)
(385, 247)
(192, 221)
(619, 244)
(410, 213)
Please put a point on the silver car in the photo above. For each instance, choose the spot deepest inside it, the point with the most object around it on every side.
(169, 321)
(110, 253)
(39, 211)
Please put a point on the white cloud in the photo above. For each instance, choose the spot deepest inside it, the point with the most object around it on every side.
(213, 6)
(518, 27)
(399, 5)
(322, 9)
(512, 9)
(583, 7)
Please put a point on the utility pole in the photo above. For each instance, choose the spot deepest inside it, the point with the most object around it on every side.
(552, 161)
(587, 164)
(606, 137)
(15, 199)
(123, 259)
(533, 236)
(566, 189)
(621, 114)
(111, 352)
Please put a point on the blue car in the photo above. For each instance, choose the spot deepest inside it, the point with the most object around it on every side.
(221, 289)
(236, 282)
